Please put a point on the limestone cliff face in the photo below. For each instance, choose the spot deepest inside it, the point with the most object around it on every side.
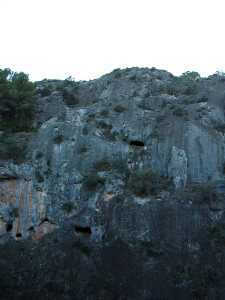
(127, 117)
(91, 135)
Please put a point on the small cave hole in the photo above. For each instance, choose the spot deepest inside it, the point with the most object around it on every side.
(45, 220)
(85, 230)
(137, 143)
(18, 235)
(9, 227)
(31, 228)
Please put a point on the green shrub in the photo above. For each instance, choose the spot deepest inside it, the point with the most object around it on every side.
(106, 130)
(120, 165)
(104, 113)
(16, 101)
(46, 91)
(48, 170)
(39, 155)
(68, 207)
(151, 249)
(85, 131)
(102, 165)
(82, 149)
(92, 181)
(104, 125)
(14, 213)
(133, 77)
(84, 249)
(203, 193)
(117, 73)
(217, 234)
(119, 108)
(223, 168)
(190, 75)
(14, 147)
(186, 84)
(91, 118)
(70, 96)
(220, 127)
(145, 182)
(58, 139)
(39, 176)
(179, 112)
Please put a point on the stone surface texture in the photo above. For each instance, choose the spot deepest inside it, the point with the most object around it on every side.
(99, 240)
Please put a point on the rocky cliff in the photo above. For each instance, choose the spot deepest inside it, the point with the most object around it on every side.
(120, 190)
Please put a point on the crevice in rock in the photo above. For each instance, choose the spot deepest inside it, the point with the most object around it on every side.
(84, 230)
(9, 227)
(7, 177)
(19, 235)
(137, 143)
(44, 220)
(31, 228)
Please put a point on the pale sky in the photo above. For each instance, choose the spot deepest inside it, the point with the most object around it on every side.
(88, 38)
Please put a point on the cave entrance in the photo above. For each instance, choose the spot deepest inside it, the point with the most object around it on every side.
(9, 227)
(137, 143)
(31, 229)
(84, 230)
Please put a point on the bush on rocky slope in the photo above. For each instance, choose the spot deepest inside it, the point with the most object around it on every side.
(13, 146)
(186, 84)
(200, 194)
(145, 182)
(16, 102)
(16, 113)
(92, 181)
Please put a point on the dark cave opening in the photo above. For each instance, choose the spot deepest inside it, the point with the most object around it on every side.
(9, 227)
(137, 143)
(18, 235)
(85, 230)
(45, 220)
(31, 228)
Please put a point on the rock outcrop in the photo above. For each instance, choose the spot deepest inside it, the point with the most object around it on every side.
(77, 186)
(178, 167)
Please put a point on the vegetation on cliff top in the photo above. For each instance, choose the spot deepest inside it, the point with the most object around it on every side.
(16, 113)
(16, 101)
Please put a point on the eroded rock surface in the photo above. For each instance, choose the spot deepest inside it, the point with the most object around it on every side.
(71, 198)
(178, 167)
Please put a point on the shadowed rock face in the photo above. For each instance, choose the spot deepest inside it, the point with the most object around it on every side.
(83, 210)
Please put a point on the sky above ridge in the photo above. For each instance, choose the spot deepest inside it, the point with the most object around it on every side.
(88, 38)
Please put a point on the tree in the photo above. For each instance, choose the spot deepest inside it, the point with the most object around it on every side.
(16, 101)
(190, 75)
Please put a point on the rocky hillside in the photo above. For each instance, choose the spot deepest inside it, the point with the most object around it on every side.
(116, 187)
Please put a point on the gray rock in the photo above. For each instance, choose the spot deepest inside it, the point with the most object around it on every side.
(126, 119)
(178, 167)
(72, 188)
